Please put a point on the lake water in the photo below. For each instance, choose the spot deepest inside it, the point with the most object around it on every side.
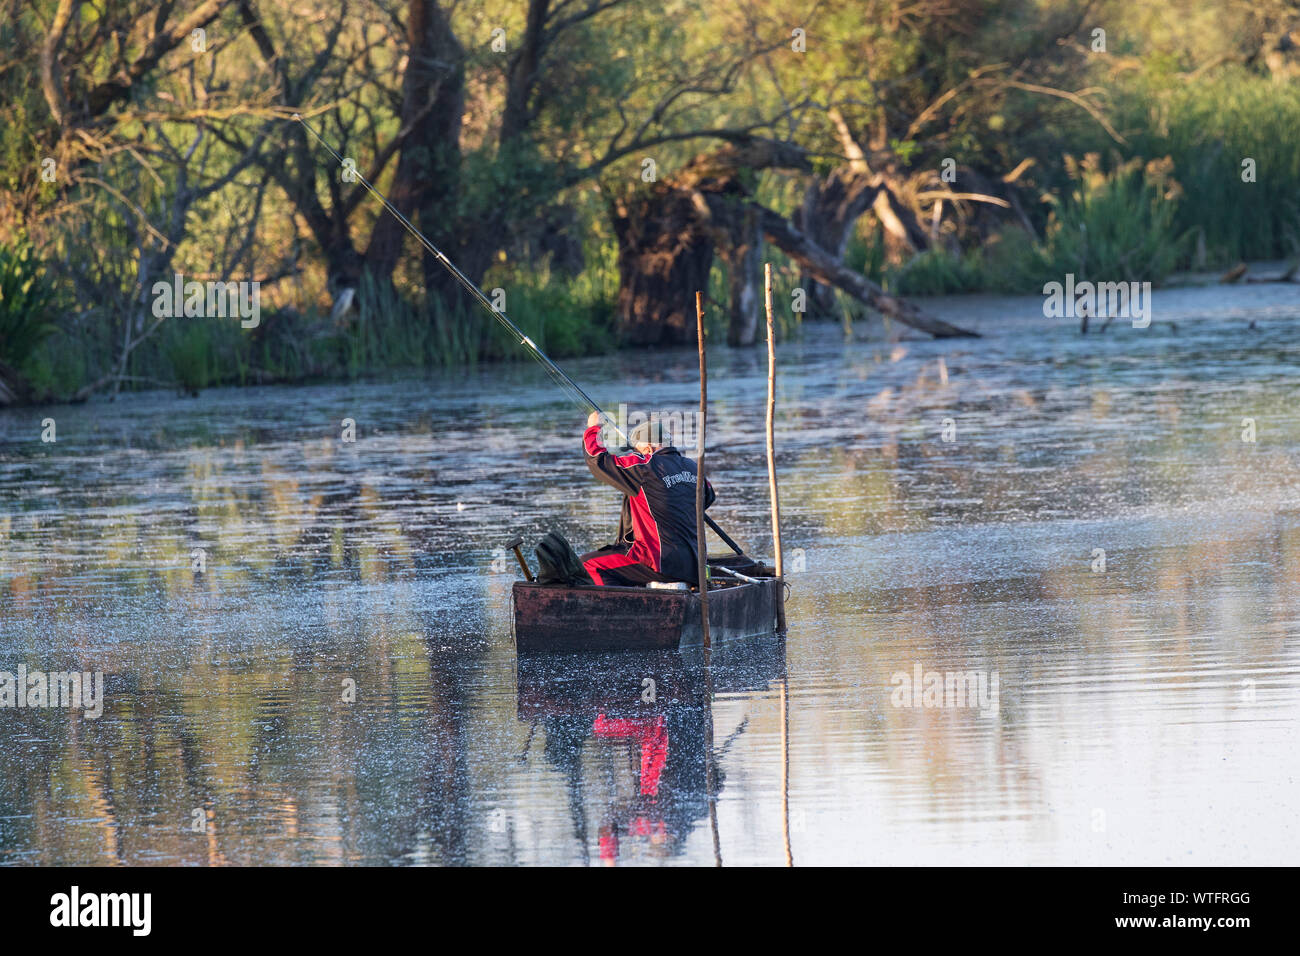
(338, 684)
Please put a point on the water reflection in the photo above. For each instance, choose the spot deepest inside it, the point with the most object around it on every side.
(632, 736)
(230, 564)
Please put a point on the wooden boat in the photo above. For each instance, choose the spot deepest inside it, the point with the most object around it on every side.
(548, 618)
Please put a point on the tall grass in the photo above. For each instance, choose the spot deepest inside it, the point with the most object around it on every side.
(1208, 128)
(26, 304)
(388, 330)
(939, 272)
(1175, 186)
(1119, 225)
(1113, 225)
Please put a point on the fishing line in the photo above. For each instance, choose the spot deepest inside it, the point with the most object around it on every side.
(556, 374)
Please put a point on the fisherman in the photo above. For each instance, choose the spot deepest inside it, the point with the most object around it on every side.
(656, 531)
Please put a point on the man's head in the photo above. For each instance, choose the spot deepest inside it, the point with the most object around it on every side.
(648, 437)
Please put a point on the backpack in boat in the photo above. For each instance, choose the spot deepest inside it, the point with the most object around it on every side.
(558, 563)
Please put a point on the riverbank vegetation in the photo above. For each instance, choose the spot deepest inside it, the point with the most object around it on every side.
(592, 164)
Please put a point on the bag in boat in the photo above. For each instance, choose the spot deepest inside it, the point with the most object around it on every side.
(558, 563)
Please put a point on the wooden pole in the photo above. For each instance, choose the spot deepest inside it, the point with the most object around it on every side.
(702, 546)
(771, 448)
(785, 770)
(701, 539)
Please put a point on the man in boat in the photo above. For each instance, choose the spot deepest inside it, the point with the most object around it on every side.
(656, 531)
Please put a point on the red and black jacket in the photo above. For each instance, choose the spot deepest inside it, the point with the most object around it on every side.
(658, 519)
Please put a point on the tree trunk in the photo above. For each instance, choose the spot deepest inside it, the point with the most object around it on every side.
(667, 235)
(904, 234)
(428, 166)
(665, 250)
(521, 77)
(830, 209)
(666, 238)
(743, 256)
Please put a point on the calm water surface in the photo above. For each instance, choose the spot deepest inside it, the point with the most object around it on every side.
(1144, 713)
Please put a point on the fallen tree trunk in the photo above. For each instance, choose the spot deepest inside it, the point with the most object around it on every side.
(822, 265)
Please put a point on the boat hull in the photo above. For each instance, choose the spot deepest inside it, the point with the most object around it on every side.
(559, 619)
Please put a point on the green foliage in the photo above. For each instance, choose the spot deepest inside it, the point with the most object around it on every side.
(56, 369)
(192, 353)
(914, 86)
(1113, 226)
(1014, 261)
(867, 255)
(26, 304)
(905, 150)
(1208, 128)
(563, 316)
(386, 332)
(1117, 226)
(938, 272)
(390, 331)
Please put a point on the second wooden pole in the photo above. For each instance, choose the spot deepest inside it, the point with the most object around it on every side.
(701, 539)
(771, 448)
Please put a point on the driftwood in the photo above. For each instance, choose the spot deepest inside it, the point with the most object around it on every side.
(1239, 272)
(820, 264)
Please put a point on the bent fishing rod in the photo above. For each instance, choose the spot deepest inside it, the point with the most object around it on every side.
(557, 374)
(521, 338)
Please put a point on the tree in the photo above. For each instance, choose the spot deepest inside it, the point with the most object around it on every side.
(668, 233)
(926, 112)
(106, 76)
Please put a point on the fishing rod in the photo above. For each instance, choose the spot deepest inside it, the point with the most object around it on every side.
(557, 374)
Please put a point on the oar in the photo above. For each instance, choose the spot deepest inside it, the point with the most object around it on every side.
(723, 535)
(734, 574)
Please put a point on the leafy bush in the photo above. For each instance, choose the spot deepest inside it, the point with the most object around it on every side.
(26, 304)
(938, 272)
(1117, 226)
(1210, 128)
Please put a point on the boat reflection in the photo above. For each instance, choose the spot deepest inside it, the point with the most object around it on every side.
(632, 734)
